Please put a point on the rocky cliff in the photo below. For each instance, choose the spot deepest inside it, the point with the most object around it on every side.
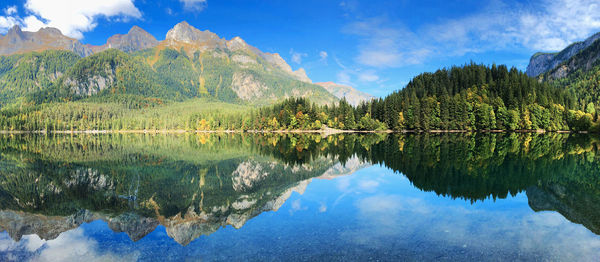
(189, 63)
(543, 62)
(135, 40)
(17, 41)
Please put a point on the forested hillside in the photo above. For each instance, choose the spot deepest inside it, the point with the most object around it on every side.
(188, 64)
(477, 97)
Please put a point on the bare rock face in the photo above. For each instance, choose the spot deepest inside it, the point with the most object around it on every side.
(300, 74)
(246, 86)
(19, 224)
(93, 85)
(543, 62)
(353, 96)
(133, 225)
(237, 44)
(352, 165)
(246, 174)
(17, 41)
(276, 60)
(184, 33)
(136, 39)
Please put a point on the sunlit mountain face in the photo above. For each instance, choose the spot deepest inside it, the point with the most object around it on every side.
(189, 186)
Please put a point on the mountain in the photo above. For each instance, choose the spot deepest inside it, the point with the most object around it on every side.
(353, 96)
(19, 42)
(135, 40)
(189, 63)
(135, 183)
(584, 60)
(33, 72)
(543, 62)
(576, 69)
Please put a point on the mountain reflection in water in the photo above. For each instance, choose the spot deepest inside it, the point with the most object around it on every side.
(193, 185)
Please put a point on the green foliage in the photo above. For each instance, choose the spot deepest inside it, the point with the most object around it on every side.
(21, 75)
(476, 97)
(158, 73)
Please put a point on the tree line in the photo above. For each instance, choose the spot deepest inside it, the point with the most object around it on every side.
(472, 97)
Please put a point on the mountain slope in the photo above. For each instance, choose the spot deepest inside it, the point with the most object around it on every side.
(19, 42)
(189, 63)
(353, 96)
(543, 62)
(25, 74)
(135, 40)
(584, 60)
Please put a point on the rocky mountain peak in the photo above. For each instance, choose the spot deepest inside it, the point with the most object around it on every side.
(136, 39)
(300, 74)
(237, 43)
(51, 31)
(15, 33)
(136, 29)
(184, 32)
(17, 41)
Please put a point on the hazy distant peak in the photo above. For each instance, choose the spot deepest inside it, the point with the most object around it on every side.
(353, 96)
(17, 41)
(136, 39)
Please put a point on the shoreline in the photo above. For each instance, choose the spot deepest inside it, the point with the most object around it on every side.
(328, 131)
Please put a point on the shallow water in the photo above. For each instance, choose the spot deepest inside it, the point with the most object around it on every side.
(300, 197)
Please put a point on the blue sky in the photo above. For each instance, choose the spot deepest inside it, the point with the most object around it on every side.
(377, 46)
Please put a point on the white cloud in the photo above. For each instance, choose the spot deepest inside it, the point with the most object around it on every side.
(348, 76)
(6, 22)
(72, 245)
(440, 225)
(10, 10)
(344, 78)
(549, 25)
(368, 76)
(297, 57)
(194, 5)
(385, 45)
(73, 18)
(323, 55)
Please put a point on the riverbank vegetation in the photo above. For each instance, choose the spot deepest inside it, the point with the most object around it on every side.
(469, 98)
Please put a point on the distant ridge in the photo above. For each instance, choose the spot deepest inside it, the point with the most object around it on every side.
(353, 96)
(188, 63)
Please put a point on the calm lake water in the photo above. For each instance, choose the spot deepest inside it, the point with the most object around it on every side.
(299, 197)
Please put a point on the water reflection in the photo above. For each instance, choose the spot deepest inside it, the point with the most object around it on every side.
(192, 185)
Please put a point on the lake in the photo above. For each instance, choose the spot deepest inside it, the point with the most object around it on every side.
(299, 197)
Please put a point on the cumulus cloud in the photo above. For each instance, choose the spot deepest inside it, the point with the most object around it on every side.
(297, 56)
(72, 245)
(73, 18)
(7, 22)
(194, 5)
(549, 25)
(10, 10)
